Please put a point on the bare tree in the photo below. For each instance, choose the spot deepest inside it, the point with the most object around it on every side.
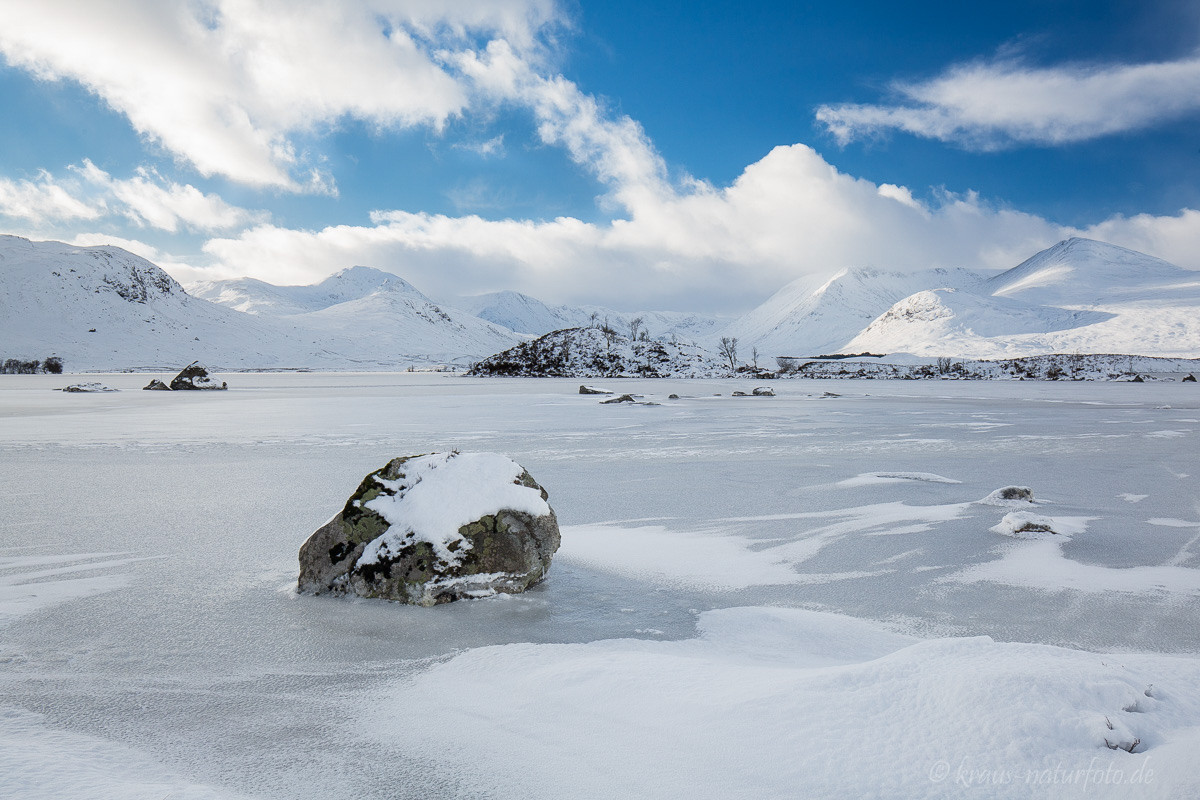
(635, 325)
(729, 350)
(754, 355)
(592, 320)
(609, 333)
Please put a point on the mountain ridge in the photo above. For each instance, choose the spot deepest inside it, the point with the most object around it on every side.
(104, 308)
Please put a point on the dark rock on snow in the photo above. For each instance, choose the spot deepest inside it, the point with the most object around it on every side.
(156, 386)
(194, 376)
(435, 528)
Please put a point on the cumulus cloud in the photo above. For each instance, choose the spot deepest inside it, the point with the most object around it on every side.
(227, 85)
(988, 105)
(147, 200)
(789, 214)
(616, 150)
(44, 199)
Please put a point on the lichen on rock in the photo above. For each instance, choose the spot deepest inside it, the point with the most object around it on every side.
(433, 528)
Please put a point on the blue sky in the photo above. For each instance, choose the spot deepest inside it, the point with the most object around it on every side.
(643, 155)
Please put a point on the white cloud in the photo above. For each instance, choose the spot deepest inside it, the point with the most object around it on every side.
(484, 149)
(45, 200)
(147, 199)
(1173, 238)
(617, 151)
(986, 105)
(787, 215)
(227, 85)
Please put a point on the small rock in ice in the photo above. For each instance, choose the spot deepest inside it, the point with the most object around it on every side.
(1024, 525)
(1009, 496)
(89, 387)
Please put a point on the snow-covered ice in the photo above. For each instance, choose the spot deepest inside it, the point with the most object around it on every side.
(795, 598)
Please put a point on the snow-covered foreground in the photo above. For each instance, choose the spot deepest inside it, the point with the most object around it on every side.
(797, 596)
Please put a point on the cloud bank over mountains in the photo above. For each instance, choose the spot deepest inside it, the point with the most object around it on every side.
(249, 91)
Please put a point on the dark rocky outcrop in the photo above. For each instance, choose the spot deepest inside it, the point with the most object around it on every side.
(399, 535)
(156, 386)
(194, 376)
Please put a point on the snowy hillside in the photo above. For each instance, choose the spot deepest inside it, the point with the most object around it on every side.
(1079, 296)
(524, 314)
(591, 353)
(376, 319)
(105, 308)
(810, 317)
(258, 297)
(102, 308)
(1080, 273)
(396, 322)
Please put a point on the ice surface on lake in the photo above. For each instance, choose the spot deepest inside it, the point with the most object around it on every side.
(151, 641)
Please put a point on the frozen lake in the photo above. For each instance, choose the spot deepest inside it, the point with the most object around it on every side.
(151, 644)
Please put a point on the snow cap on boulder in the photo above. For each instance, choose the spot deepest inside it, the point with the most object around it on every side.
(433, 528)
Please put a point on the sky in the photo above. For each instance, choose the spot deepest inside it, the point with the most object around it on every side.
(643, 155)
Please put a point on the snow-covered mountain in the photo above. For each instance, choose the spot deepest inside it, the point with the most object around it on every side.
(258, 297)
(1084, 273)
(102, 308)
(105, 308)
(524, 314)
(810, 316)
(1079, 296)
(372, 317)
(396, 319)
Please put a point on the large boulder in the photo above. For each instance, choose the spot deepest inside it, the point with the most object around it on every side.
(433, 528)
(194, 376)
